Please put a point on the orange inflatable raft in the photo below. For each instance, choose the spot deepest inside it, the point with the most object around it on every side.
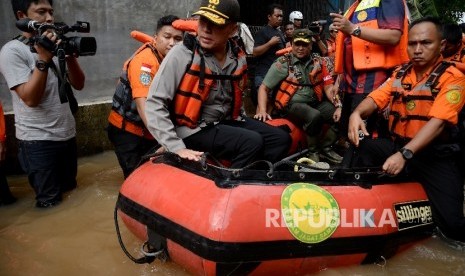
(269, 219)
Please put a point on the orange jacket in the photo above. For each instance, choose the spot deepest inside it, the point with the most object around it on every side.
(368, 55)
(134, 82)
(2, 125)
(458, 58)
(415, 102)
(290, 85)
(195, 87)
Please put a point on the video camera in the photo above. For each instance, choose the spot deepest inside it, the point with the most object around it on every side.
(75, 45)
(315, 26)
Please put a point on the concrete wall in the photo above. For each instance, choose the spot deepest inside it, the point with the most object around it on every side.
(111, 23)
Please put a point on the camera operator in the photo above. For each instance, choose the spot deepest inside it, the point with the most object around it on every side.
(45, 126)
(318, 40)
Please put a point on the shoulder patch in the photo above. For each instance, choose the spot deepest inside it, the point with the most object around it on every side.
(145, 78)
(279, 65)
(453, 94)
(282, 59)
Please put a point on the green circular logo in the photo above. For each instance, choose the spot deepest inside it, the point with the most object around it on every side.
(311, 213)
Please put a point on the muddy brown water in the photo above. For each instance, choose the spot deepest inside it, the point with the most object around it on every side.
(78, 237)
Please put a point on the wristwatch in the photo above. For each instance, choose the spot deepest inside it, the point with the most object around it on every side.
(356, 32)
(406, 153)
(42, 65)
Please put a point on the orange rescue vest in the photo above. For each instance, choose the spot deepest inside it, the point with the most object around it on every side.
(410, 105)
(368, 55)
(458, 58)
(198, 80)
(291, 84)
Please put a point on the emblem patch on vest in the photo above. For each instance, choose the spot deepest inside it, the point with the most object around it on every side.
(410, 105)
(311, 213)
(362, 16)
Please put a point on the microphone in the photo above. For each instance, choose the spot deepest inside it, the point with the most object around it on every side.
(27, 25)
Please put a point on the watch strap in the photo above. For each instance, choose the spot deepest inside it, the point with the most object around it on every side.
(42, 65)
(356, 32)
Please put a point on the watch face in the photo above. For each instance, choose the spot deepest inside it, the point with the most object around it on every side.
(41, 65)
(407, 154)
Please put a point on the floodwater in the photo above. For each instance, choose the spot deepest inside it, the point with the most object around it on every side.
(78, 236)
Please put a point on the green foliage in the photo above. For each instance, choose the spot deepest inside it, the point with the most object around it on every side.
(422, 8)
(450, 10)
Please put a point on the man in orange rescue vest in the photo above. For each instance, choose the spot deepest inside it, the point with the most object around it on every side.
(305, 95)
(127, 123)
(454, 50)
(425, 97)
(201, 82)
(371, 41)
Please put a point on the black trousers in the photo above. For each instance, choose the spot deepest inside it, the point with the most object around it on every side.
(5, 193)
(242, 142)
(375, 122)
(51, 167)
(437, 169)
(129, 148)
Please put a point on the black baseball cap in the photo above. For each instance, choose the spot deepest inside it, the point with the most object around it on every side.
(220, 11)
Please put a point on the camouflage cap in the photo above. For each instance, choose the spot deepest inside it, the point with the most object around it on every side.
(304, 35)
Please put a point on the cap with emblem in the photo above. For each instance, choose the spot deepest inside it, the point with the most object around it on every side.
(220, 11)
(304, 35)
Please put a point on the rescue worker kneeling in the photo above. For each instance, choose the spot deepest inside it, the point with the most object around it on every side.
(424, 97)
(305, 95)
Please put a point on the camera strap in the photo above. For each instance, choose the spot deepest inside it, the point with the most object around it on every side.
(61, 80)
(23, 39)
